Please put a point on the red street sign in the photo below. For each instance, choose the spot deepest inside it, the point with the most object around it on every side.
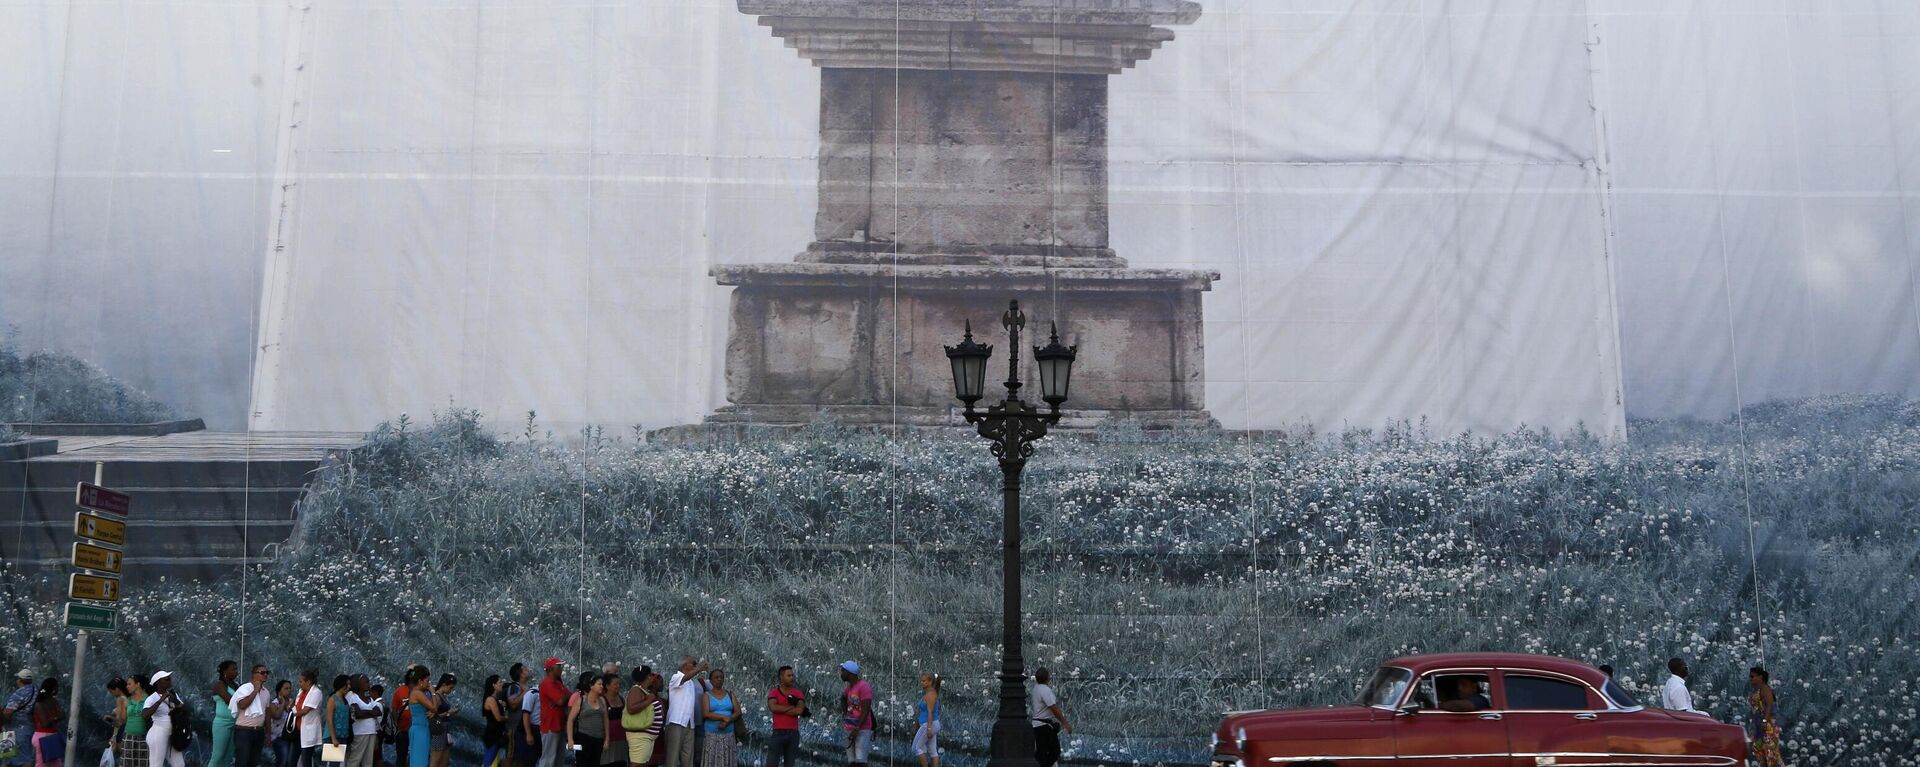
(97, 498)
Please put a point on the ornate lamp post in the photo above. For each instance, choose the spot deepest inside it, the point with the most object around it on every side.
(1012, 426)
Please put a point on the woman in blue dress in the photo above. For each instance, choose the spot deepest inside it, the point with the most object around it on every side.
(420, 707)
(720, 747)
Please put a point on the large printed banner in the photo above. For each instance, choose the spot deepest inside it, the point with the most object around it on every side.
(466, 334)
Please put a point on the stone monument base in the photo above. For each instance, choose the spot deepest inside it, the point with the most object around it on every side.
(865, 343)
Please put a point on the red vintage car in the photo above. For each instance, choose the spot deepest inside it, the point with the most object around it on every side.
(1480, 710)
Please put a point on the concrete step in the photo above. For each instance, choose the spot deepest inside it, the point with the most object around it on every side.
(53, 542)
(156, 503)
(46, 582)
(59, 471)
(204, 503)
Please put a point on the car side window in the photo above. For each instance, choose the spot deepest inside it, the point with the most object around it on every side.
(1542, 693)
(1457, 691)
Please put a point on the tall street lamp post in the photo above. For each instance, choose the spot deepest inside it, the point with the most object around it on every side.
(1012, 426)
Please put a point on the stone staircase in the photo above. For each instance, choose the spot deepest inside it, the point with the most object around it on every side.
(204, 503)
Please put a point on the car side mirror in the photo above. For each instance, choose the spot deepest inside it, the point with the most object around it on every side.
(1409, 709)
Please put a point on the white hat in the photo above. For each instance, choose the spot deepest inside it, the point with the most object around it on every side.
(25, 673)
(159, 676)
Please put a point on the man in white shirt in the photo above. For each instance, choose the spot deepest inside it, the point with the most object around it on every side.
(249, 707)
(365, 710)
(1674, 696)
(683, 704)
(529, 752)
(1048, 719)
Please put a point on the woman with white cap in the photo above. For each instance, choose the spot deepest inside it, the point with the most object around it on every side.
(160, 708)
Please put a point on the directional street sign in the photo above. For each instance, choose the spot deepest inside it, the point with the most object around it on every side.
(93, 587)
(96, 558)
(92, 618)
(100, 529)
(97, 498)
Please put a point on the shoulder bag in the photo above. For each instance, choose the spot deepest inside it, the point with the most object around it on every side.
(182, 728)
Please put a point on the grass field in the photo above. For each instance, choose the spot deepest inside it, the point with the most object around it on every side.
(1171, 576)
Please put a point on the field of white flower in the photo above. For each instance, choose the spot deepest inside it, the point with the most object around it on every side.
(1171, 576)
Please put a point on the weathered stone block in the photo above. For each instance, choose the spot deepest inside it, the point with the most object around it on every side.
(811, 338)
(963, 162)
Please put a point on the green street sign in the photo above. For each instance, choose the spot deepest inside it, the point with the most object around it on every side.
(92, 618)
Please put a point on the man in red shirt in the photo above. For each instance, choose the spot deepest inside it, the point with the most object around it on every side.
(788, 703)
(553, 713)
(402, 718)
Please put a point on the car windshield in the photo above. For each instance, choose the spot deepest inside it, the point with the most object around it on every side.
(1386, 687)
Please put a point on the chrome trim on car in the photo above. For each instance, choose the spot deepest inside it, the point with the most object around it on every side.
(1548, 758)
(1701, 760)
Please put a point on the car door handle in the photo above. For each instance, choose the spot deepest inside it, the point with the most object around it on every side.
(1587, 717)
(1491, 717)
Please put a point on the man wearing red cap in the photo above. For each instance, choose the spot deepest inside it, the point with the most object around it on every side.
(553, 713)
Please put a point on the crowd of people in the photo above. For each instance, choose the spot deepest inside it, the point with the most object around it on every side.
(595, 718)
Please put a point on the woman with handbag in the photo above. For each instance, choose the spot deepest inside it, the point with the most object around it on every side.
(165, 712)
(49, 744)
(642, 717)
(338, 722)
(116, 719)
(587, 720)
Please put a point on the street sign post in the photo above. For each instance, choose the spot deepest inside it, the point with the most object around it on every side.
(96, 558)
(96, 498)
(99, 529)
(94, 587)
(88, 617)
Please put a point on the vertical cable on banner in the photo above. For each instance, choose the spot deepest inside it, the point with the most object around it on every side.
(246, 482)
(1053, 164)
(1733, 351)
(1237, 96)
(893, 395)
(587, 438)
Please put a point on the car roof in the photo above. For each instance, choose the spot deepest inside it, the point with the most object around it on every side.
(1420, 664)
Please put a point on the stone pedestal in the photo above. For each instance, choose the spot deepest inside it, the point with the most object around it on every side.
(866, 343)
(963, 162)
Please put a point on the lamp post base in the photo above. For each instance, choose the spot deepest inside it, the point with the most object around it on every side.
(1012, 744)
